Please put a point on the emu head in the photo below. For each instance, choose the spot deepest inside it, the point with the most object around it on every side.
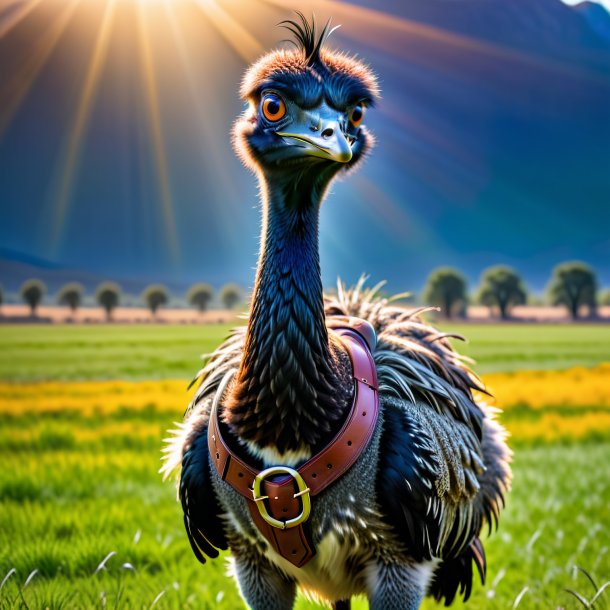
(306, 108)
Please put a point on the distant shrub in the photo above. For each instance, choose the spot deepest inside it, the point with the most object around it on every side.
(574, 285)
(230, 295)
(199, 295)
(154, 296)
(502, 287)
(446, 287)
(32, 292)
(71, 295)
(108, 295)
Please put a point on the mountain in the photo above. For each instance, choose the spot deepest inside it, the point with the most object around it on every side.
(16, 267)
(546, 27)
(597, 17)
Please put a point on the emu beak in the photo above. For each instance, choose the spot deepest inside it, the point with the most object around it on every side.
(327, 143)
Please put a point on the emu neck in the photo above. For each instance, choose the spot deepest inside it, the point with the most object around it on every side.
(289, 390)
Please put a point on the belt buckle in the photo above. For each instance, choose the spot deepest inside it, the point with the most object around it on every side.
(303, 493)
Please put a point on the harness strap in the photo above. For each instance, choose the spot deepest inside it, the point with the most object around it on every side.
(279, 498)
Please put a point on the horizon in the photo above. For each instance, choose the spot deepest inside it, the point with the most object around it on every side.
(133, 297)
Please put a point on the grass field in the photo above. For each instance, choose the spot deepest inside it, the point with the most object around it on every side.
(512, 347)
(30, 353)
(169, 352)
(80, 458)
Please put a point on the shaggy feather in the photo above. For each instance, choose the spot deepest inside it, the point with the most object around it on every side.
(201, 514)
(444, 465)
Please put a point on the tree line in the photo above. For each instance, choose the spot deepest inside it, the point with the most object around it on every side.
(572, 284)
(108, 296)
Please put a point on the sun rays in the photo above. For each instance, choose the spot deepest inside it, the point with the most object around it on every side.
(79, 127)
(156, 128)
(13, 94)
(166, 49)
(235, 34)
(22, 10)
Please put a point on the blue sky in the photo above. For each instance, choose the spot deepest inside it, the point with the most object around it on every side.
(116, 156)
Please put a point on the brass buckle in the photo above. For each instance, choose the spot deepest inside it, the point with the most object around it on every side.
(303, 493)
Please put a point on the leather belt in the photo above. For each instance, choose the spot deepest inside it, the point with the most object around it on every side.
(279, 498)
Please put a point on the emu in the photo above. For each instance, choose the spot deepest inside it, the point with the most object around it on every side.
(402, 520)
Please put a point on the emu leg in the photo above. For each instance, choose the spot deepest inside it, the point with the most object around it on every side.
(261, 584)
(398, 587)
(342, 604)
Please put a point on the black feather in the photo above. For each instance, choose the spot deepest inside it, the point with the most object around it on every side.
(203, 524)
(405, 463)
(455, 575)
(306, 37)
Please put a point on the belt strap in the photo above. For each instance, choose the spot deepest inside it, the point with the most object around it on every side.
(282, 504)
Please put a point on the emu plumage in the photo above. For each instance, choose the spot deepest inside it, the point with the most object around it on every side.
(404, 521)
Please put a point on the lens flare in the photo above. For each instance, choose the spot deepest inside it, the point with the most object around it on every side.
(72, 154)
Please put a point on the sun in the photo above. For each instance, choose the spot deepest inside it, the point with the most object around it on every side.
(145, 21)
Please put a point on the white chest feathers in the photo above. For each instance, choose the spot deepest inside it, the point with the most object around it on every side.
(337, 571)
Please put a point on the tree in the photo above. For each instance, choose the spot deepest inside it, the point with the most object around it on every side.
(230, 295)
(154, 296)
(1, 296)
(573, 284)
(32, 292)
(604, 299)
(446, 287)
(71, 295)
(200, 295)
(502, 287)
(108, 295)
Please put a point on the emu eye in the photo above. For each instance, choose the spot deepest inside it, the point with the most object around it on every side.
(274, 107)
(356, 115)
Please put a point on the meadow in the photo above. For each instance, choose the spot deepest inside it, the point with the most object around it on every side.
(29, 353)
(86, 522)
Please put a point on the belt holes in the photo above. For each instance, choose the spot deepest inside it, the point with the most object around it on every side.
(294, 551)
(349, 443)
(363, 413)
(329, 466)
(218, 456)
(240, 474)
(314, 475)
(284, 510)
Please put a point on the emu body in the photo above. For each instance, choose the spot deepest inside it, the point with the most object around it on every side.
(404, 520)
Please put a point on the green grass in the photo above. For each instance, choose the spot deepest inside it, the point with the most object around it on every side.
(510, 347)
(172, 351)
(66, 504)
(71, 495)
(35, 352)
